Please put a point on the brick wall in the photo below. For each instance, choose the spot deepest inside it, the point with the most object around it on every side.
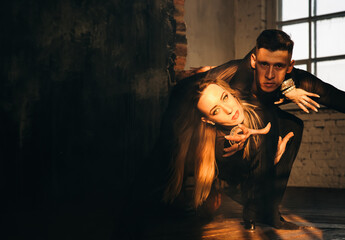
(321, 159)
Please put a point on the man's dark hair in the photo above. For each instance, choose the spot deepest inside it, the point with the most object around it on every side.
(273, 40)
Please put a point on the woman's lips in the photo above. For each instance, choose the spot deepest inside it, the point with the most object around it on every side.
(235, 116)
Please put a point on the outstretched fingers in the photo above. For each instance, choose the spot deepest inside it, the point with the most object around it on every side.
(281, 146)
(285, 140)
(303, 107)
(247, 132)
(279, 101)
(312, 94)
(264, 130)
(236, 138)
(310, 103)
(237, 141)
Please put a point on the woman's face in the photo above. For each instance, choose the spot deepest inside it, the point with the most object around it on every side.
(219, 106)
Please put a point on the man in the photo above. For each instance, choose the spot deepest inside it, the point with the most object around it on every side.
(264, 77)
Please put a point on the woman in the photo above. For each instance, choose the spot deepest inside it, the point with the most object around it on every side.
(200, 109)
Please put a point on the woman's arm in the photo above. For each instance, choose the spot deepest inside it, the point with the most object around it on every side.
(239, 138)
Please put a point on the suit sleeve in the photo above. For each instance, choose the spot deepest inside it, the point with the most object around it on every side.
(237, 73)
(330, 96)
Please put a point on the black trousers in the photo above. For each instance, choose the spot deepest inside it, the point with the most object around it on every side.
(262, 189)
(287, 123)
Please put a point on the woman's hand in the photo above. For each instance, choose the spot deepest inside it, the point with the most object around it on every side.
(238, 141)
(281, 146)
(302, 99)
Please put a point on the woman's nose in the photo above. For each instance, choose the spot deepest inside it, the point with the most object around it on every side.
(227, 109)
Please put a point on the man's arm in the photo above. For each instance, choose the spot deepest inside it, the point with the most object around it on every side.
(237, 73)
(299, 96)
(330, 96)
(225, 71)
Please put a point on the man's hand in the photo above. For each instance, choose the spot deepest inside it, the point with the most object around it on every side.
(302, 99)
(202, 69)
(238, 141)
(281, 146)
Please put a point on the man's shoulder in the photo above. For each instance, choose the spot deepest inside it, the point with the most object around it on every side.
(232, 64)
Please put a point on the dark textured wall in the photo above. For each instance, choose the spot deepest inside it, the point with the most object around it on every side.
(216, 45)
(83, 85)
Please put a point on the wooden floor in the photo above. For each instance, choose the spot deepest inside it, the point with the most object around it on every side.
(320, 212)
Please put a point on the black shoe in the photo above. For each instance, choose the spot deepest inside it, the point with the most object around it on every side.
(284, 225)
(249, 217)
(249, 224)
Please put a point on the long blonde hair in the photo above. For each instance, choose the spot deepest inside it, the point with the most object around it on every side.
(195, 140)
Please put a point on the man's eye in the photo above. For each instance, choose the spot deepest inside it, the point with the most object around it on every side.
(279, 66)
(216, 111)
(264, 64)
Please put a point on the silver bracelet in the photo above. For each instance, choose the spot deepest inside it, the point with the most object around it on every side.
(289, 89)
(287, 84)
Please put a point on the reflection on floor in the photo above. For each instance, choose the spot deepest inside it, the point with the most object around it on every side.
(321, 212)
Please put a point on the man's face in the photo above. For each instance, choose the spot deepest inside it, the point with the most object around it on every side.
(271, 68)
